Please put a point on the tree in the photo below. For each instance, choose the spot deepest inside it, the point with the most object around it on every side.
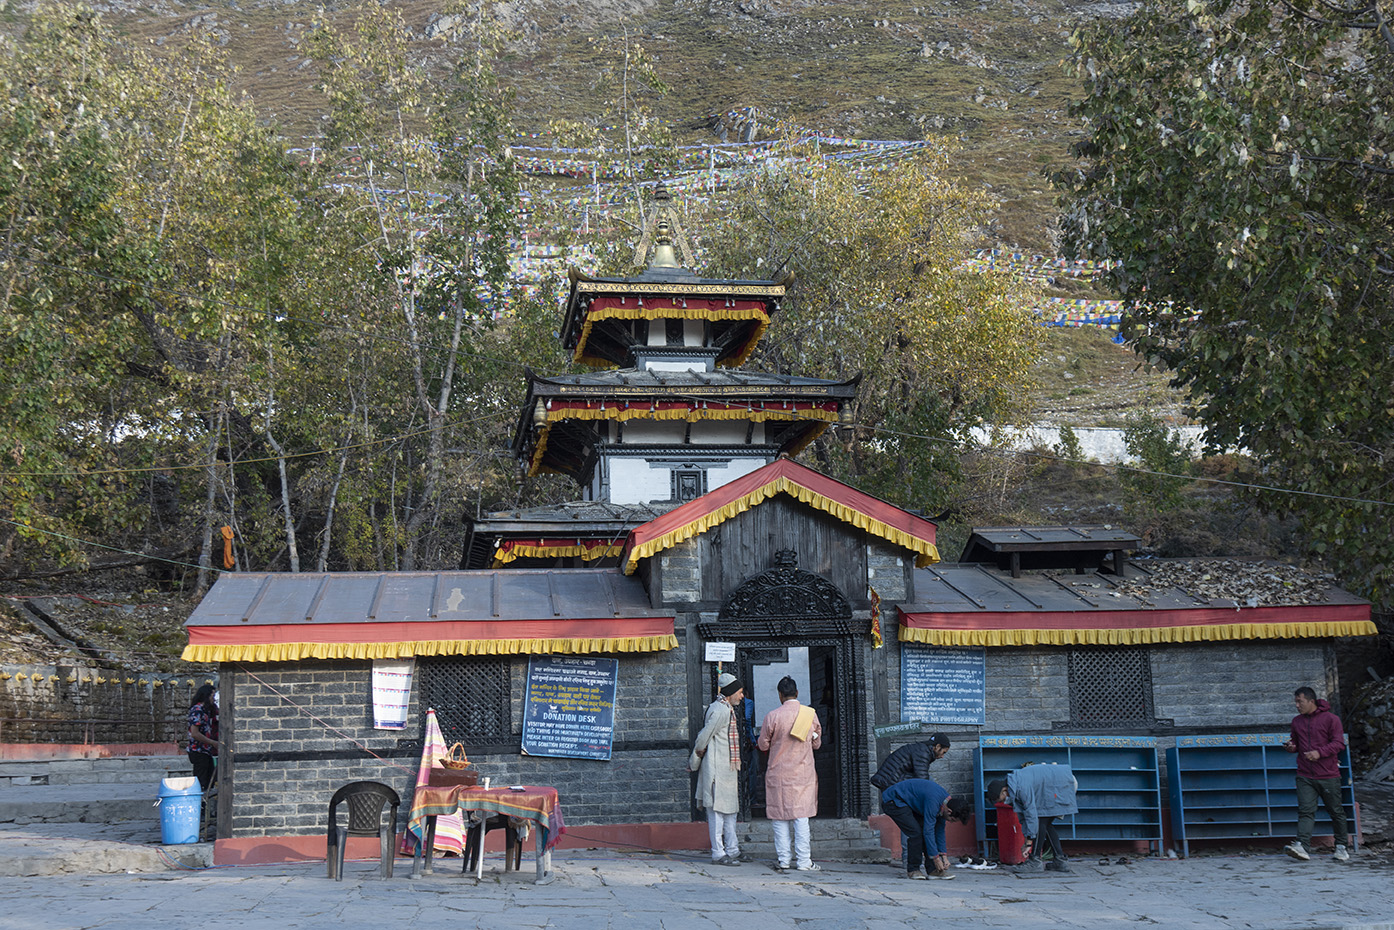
(439, 186)
(1237, 162)
(880, 291)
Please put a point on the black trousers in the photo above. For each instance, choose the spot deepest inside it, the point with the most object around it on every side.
(203, 768)
(912, 831)
(1048, 834)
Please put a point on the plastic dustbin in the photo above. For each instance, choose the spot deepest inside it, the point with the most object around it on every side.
(1009, 836)
(181, 805)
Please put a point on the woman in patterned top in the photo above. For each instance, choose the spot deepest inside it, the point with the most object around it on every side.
(203, 735)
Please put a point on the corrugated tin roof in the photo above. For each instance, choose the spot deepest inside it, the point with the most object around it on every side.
(963, 588)
(388, 597)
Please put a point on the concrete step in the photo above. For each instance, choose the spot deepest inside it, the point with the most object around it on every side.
(91, 848)
(110, 770)
(839, 840)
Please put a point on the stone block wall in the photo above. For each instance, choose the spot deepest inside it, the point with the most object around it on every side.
(82, 704)
(302, 730)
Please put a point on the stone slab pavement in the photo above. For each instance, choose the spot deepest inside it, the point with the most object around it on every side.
(602, 889)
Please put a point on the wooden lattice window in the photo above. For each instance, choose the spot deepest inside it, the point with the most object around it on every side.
(1111, 687)
(472, 697)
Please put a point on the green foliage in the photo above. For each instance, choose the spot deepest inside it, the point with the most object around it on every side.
(880, 294)
(1068, 447)
(1164, 461)
(1237, 162)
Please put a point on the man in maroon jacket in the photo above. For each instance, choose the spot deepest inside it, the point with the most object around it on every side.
(1317, 739)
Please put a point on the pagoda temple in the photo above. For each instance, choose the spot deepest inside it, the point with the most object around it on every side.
(669, 415)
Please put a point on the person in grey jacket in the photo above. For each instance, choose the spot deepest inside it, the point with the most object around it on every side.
(1039, 794)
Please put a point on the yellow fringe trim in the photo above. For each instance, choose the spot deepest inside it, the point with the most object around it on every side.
(1138, 637)
(691, 415)
(290, 652)
(678, 313)
(926, 552)
(587, 553)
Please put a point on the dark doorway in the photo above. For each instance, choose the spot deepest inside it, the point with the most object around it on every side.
(788, 621)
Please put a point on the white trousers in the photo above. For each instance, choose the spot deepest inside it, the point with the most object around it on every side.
(803, 850)
(722, 830)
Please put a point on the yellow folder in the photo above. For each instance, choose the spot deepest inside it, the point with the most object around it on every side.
(803, 723)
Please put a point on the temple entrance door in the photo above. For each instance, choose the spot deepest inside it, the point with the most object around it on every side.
(819, 666)
(790, 622)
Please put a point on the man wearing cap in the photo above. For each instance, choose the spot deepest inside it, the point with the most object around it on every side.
(910, 761)
(719, 749)
(789, 734)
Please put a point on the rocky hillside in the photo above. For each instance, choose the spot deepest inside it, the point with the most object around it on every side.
(985, 74)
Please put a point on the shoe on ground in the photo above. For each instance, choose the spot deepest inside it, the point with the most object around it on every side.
(1057, 865)
(782, 867)
(1296, 851)
(941, 873)
(725, 860)
(811, 867)
(1031, 865)
(916, 875)
(1340, 855)
(742, 857)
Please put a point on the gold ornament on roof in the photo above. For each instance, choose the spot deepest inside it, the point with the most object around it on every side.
(662, 233)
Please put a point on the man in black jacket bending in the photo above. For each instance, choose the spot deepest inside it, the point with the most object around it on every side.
(910, 761)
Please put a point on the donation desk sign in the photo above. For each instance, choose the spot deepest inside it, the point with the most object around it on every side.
(943, 685)
(569, 710)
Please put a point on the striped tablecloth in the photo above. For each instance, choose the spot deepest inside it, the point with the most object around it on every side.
(540, 805)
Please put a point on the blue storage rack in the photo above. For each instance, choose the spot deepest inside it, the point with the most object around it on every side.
(1242, 786)
(1120, 797)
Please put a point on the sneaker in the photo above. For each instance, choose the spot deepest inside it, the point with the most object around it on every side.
(1340, 855)
(742, 857)
(1057, 865)
(725, 860)
(941, 873)
(917, 875)
(1031, 865)
(782, 867)
(811, 867)
(1295, 850)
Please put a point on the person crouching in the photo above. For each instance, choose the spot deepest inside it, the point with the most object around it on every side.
(919, 807)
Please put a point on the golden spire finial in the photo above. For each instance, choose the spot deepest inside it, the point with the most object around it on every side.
(662, 232)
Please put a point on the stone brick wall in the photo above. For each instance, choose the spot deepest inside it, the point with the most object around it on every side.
(1202, 687)
(302, 730)
(81, 704)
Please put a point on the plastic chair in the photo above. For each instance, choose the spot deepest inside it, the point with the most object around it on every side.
(513, 849)
(365, 801)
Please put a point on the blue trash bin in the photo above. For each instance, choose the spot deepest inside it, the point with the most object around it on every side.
(180, 804)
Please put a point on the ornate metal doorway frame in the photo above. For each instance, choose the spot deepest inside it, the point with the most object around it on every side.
(786, 607)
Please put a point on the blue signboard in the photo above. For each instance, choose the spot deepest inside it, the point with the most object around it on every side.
(569, 709)
(942, 685)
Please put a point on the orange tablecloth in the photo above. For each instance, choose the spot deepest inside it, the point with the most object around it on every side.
(540, 805)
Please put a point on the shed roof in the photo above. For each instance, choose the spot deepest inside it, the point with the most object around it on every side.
(977, 605)
(283, 616)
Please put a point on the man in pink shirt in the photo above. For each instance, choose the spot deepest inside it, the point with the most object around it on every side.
(789, 734)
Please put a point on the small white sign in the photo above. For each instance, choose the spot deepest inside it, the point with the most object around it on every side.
(721, 652)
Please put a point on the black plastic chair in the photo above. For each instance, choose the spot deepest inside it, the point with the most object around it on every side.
(365, 801)
(513, 849)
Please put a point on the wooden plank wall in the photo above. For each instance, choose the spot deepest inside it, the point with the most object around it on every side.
(745, 545)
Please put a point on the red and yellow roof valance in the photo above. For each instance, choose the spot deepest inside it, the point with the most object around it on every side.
(691, 411)
(782, 476)
(291, 641)
(663, 307)
(1134, 627)
(589, 550)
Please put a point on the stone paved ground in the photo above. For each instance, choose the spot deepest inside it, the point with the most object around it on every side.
(603, 889)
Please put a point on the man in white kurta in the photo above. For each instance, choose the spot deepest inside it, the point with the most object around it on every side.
(791, 784)
(718, 777)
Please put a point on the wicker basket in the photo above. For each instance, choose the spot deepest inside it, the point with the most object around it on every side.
(455, 758)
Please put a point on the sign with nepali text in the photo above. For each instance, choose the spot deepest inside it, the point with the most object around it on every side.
(943, 685)
(569, 709)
